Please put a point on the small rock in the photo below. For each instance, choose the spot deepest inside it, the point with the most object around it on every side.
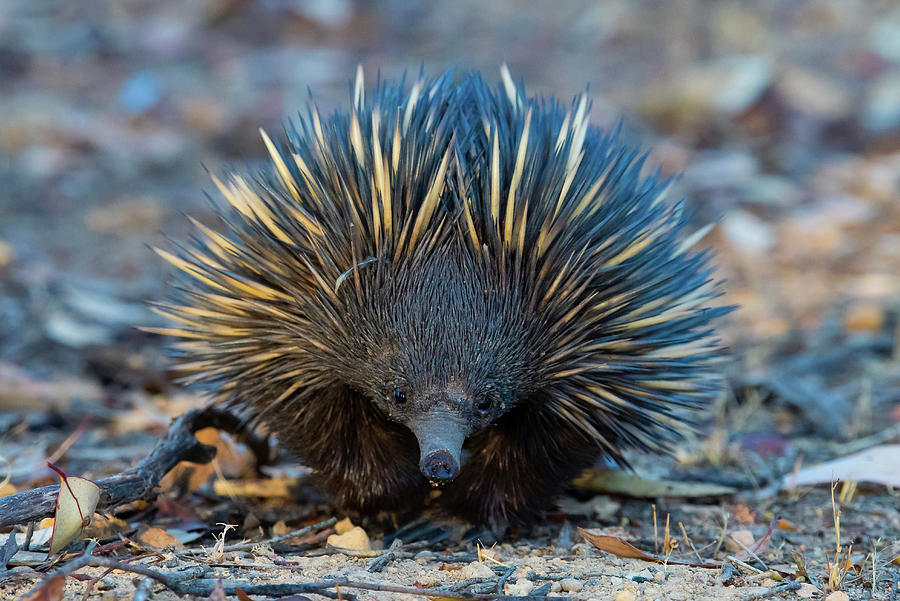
(556, 587)
(280, 528)
(427, 579)
(139, 93)
(882, 107)
(837, 596)
(476, 569)
(571, 585)
(623, 595)
(747, 233)
(644, 575)
(126, 217)
(814, 93)
(743, 80)
(355, 539)
(738, 540)
(885, 37)
(807, 591)
(520, 588)
(344, 526)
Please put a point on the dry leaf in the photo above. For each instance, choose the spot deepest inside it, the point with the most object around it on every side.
(158, 538)
(877, 465)
(267, 488)
(241, 595)
(784, 524)
(622, 548)
(49, 590)
(743, 514)
(628, 483)
(105, 526)
(75, 503)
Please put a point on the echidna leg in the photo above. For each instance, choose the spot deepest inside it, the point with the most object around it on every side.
(361, 459)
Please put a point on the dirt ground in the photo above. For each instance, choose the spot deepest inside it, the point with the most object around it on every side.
(783, 118)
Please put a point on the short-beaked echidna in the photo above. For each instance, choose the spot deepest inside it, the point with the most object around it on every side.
(450, 285)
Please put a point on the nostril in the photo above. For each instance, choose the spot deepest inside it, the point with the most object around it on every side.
(439, 465)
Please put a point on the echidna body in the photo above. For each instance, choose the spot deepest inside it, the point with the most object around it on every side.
(455, 286)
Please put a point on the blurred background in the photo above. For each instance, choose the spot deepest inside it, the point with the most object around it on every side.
(782, 115)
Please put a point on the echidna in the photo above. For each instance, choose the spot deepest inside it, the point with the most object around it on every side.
(451, 286)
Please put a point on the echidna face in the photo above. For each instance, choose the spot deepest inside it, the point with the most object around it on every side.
(443, 353)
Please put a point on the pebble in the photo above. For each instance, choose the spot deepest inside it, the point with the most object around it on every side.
(139, 93)
(623, 595)
(882, 107)
(476, 569)
(344, 526)
(571, 585)
(747, 233)
(807, 591)
(355, 539)
(520, 588)
(742, 81)
(837, 596)
(814, 93)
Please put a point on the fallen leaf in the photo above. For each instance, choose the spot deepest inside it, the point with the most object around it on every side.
(738, 540)
(241, 595)
(104, 527)
(267, 488)
(743, 514)
(628, 483)
(758, 547)
(158, 538)
(622, 548)
(784, 524)
(75, 503)
(49, 590)
(877, 465)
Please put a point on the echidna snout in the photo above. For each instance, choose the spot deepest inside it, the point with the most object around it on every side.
(440, 434)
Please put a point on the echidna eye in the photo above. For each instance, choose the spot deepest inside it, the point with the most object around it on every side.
(483, 407)
(399, 397)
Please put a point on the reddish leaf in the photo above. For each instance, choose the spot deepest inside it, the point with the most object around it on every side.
(49, 590)
(241, 595)
(622, 548)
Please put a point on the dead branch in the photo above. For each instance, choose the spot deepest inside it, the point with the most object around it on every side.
(138, 482)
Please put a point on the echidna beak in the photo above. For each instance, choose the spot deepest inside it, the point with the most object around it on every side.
(440, 437)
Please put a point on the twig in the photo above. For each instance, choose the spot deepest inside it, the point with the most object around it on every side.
(143, 589)
(269, 541)
(689, 542)
(502, 582)
(380, 562)
(744, 565)
(29, 533)
(772, 591)
(135, 483)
